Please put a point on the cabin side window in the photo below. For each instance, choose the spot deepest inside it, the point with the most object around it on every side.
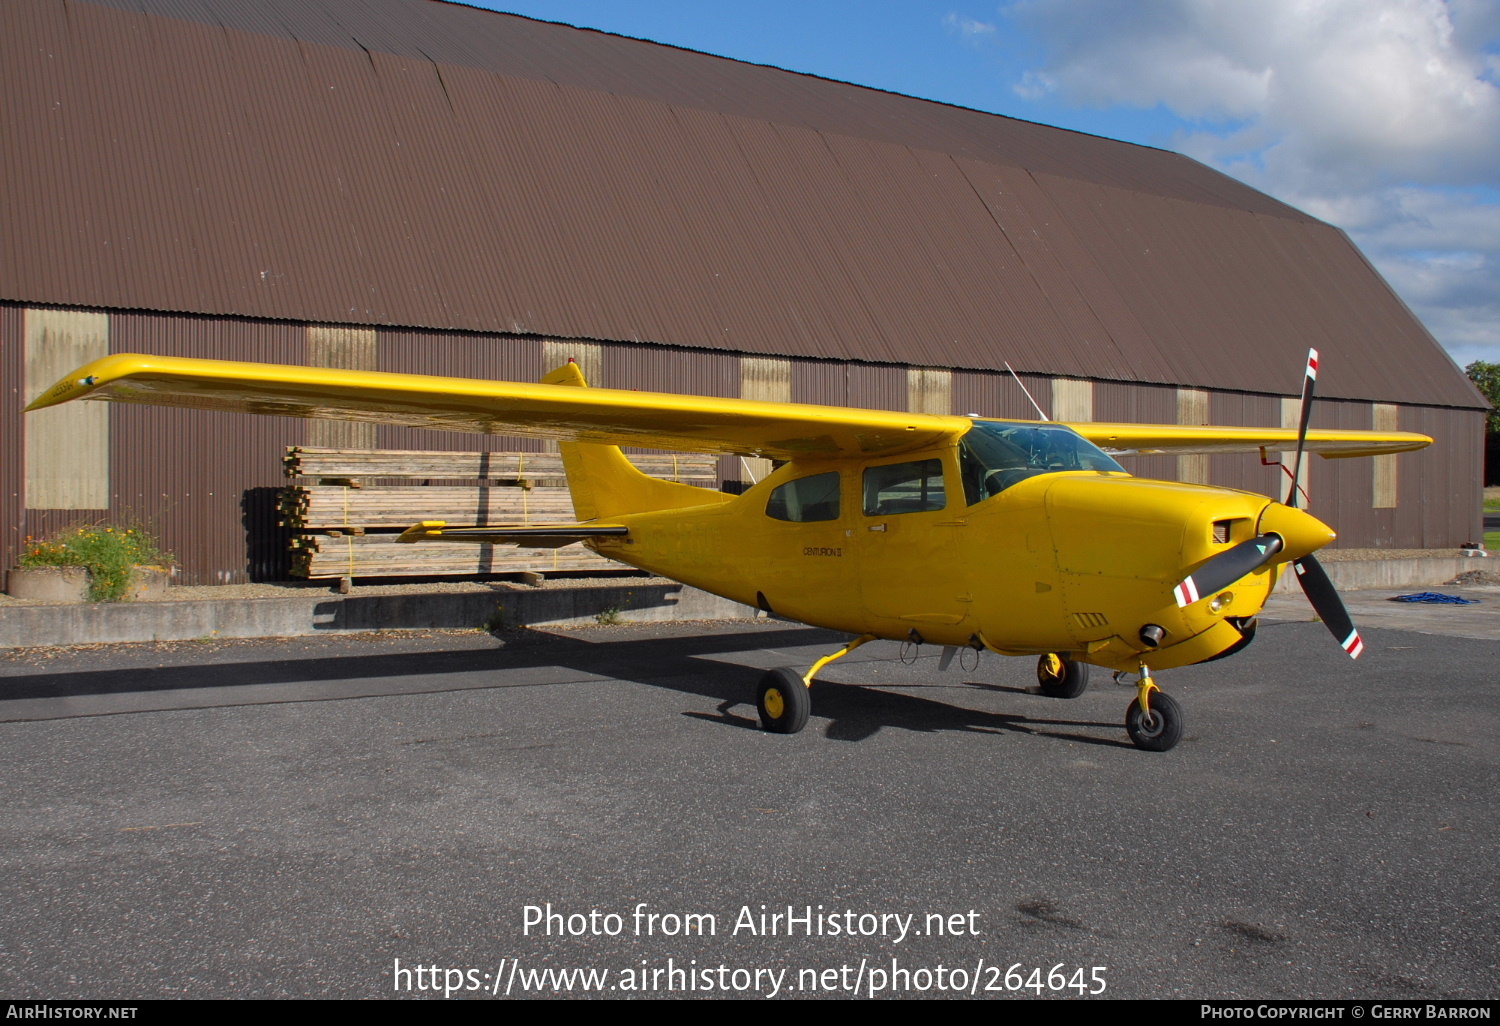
(915, 487)
(806, 500)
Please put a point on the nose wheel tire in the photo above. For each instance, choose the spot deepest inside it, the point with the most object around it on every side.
(783, 700)
(1158, 730)
(1061, 678)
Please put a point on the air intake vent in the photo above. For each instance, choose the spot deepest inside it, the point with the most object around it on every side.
(1088, 620)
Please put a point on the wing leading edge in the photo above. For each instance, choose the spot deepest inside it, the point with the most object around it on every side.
(653, 420)
(1187, 440)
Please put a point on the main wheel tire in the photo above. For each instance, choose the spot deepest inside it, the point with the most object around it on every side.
(783, 701)
(1061, 678)
(1161, 730)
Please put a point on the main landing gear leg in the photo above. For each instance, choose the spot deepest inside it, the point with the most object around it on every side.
(783, 697)
(1154, 719)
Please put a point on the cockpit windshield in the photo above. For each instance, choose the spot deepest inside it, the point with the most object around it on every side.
(994, 455)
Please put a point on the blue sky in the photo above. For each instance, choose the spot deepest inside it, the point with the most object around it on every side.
(1379, 116)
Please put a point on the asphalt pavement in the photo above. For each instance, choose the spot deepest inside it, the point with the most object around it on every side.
(377, 815)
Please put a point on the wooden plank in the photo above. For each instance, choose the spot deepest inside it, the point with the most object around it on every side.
(324, 507)
(314, 461)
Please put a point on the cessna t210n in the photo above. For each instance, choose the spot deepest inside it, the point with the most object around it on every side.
(1023, 538)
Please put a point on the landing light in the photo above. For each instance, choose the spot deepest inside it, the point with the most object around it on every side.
(1220, 601)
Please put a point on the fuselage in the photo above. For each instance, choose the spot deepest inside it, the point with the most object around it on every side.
(1053, 559)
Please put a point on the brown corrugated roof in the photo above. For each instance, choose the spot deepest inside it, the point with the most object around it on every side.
(424, 164)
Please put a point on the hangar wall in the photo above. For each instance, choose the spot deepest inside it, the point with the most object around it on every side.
(207, 482)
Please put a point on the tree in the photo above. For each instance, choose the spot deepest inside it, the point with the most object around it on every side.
(1486, 378)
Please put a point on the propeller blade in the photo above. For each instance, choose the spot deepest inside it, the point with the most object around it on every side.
(1226, 568)
(1309, 380)
(1330, 608)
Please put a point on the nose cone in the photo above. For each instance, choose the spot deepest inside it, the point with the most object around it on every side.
(1301, 533)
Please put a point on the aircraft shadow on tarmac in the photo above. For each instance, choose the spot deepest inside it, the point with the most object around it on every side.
(856, 711)
(859, 711)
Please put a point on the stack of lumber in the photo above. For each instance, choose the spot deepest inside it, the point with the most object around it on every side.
(346, 524)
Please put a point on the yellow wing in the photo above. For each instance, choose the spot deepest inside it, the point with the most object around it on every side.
(1185, 440)
(652, 420)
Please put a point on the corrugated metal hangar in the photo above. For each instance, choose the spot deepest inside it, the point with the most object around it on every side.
(417, 186)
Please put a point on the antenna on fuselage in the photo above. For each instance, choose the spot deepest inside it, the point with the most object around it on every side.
(1034, 406)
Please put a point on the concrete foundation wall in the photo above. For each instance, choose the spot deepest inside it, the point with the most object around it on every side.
(33, 626)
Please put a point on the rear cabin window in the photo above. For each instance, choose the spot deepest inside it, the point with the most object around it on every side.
(915, 487)
(806, 499)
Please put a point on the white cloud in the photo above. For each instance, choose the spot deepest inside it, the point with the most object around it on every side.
(1381, 116)
(969, 28)
(1440, 250)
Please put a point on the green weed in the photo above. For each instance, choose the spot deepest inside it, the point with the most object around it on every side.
(110, 555)
(496, 622)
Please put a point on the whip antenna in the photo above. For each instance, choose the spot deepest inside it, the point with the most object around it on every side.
(1034, 406)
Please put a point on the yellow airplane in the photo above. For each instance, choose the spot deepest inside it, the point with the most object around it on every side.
(1023, 538)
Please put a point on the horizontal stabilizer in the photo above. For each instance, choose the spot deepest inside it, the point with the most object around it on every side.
(547, 536)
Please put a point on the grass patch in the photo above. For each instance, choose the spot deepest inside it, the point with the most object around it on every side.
(1492, 540)
(109, 554)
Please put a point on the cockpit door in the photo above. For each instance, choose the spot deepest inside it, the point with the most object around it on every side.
(909, 533)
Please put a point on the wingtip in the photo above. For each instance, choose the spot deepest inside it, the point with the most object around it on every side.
(66, 390)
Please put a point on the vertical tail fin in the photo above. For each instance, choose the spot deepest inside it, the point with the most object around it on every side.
(605, 484)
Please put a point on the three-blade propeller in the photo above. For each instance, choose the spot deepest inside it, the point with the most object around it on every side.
(1248, 557)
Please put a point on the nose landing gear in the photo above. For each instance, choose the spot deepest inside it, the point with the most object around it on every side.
(1154, 720)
